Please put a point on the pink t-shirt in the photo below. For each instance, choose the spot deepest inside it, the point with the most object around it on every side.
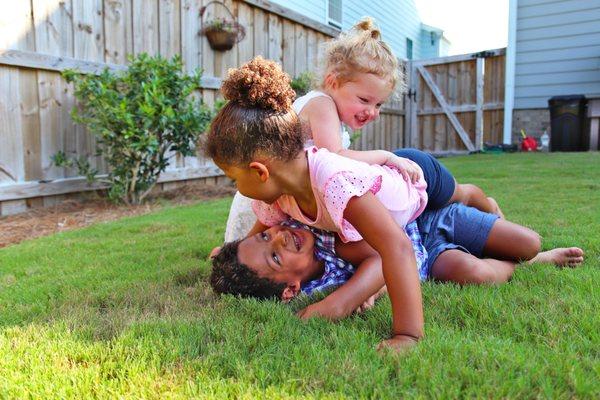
(335, 180)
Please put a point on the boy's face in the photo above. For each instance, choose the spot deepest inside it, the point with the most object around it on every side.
(282, 254)
(358, 101)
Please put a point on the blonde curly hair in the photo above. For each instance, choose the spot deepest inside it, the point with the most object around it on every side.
(258, 117)
(360, 50)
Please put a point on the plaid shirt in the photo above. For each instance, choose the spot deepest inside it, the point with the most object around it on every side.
(338, 271)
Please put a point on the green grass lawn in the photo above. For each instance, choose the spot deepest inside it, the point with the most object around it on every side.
(123, 310)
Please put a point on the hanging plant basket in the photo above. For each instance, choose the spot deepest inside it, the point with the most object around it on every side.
(222, 33)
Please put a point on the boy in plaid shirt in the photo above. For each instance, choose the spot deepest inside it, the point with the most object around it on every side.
(450, 243)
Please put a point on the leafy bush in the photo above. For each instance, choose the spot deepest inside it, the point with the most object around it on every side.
(302, 83)
(138, 116)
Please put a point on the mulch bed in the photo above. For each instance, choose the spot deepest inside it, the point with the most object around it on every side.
(73, 214)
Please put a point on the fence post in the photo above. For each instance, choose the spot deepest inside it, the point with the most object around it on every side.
(479, 106)
(411, 138)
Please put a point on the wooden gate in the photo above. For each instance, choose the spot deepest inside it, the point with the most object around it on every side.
(455, 104)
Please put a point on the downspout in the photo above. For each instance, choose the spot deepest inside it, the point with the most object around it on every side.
(509, 92)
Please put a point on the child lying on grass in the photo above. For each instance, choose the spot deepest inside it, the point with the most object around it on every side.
(463, 245)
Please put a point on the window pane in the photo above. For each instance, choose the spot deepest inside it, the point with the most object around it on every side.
(335, 11)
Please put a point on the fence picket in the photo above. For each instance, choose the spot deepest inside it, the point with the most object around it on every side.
(275, 38)
(145, 26)
(169, 27)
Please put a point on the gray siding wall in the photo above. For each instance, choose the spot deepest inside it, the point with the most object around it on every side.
(313, 9)
(429, 50)
(398, 19)
(557, 50)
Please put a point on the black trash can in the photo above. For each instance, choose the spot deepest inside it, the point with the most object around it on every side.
(567, 118)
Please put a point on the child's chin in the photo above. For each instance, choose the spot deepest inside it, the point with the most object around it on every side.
(358, 125)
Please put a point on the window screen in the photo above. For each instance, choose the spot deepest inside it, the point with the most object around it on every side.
(334, 13)
(409, 49)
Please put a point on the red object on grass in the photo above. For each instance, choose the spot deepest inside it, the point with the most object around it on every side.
(529, 144)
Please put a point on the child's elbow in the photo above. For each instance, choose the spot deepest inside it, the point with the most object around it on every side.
(404, 245)
(339, 150)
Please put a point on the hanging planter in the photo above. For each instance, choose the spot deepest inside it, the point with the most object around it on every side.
(222, 33)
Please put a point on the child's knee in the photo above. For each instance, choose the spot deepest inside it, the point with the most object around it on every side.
(464, 192)
(472, 271)
(531, 243)
(481, 273)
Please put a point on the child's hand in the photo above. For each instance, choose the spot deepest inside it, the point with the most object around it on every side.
(322, 309)
(397, 344)
(214, 252)
(408, 169)
(370, 302)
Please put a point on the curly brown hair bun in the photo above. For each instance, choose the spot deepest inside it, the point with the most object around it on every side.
(258, 119)
(259, 83)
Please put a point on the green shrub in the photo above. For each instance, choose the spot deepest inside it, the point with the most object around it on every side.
(302, 83)
(138, 117)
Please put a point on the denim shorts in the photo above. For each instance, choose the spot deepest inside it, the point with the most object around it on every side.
(440, 182)
(455, 226)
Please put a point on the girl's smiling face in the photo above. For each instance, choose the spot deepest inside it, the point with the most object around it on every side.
(359, 100)
(281, 254)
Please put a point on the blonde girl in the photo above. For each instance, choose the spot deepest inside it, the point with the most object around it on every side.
(360, 74)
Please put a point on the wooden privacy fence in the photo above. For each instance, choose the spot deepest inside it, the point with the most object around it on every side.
(41, 38)
(455, 104)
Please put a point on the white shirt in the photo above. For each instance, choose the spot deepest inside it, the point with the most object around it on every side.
(299, 104)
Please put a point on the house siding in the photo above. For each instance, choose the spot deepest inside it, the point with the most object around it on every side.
(557, 50)
(313, 9)
(386, 13)
(429, 50)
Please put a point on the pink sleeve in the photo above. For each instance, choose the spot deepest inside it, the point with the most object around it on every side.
(268, 214)
(339, 189)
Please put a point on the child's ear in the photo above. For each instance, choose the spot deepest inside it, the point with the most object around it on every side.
(290, 291)
(261, 169)
(331, 81)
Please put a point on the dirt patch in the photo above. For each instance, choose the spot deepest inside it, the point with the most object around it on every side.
(73, 214)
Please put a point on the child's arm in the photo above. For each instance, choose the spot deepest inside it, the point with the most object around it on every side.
(399, 266)
(365, 282)
(258, 227)
(321, 113)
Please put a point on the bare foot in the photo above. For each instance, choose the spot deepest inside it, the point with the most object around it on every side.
(497, 209)
(561, 257)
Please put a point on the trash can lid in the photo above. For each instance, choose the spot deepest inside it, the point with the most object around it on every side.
(570, 97)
